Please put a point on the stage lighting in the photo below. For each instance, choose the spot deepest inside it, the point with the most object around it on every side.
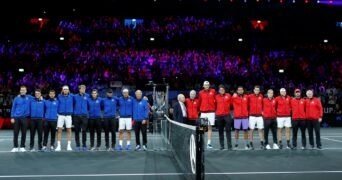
(21, 70)
(281, 70)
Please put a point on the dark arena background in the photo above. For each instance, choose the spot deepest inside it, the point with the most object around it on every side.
(166, 48)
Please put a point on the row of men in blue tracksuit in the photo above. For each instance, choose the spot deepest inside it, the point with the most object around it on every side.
(58, 111)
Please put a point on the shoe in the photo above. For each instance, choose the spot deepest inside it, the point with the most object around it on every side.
(262, 146)
(251, 146)
(247, 147)
(288, 147)
(98, 148)
(119, 148)
(275, 146)
(303, 147)
(22, 149)
(236, 146)
(137, 148)
(312, 147)
(77, 149)
(209, 146)
(280, 146)
(319, 147)
(52, 148)
(92, 149)
(144, 147)
(128, 147)
(15, 150)
(32, 150)
(222, 148)
(268, 146)
(294, 147)
(113, 149)
(44, 148)
(58, 148)
(108, 149)
(84, 149)
(69, 147)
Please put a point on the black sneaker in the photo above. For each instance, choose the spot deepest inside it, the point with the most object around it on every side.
(319, 147)
(221, 147)
(236, 145)
(280, 146)
(251, 146)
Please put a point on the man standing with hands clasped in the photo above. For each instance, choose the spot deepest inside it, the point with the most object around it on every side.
(314, 114)
(140, 117)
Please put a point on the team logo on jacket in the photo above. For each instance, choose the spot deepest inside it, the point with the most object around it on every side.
(54, 103)
(194, 102)
(97, 101)
(244, 99)
(85, 98)
(301, 102)
(112, 100)
(273, 102)
(259, 97)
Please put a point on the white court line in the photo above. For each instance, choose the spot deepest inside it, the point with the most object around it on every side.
(167, 174)
(164, 150)
(91, 175)
(333, 140)
(280, 172)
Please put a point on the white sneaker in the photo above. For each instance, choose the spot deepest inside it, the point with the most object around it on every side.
(52, 148)
(275, 146)
(69, 148)
(268, 146)
(58, 148)
(15, 150)
(22, 149)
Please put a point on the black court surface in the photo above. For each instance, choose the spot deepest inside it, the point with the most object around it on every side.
(158, 163)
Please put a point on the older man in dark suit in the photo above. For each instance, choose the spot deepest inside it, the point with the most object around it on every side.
(179, 110)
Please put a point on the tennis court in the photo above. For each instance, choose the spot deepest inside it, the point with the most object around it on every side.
(158, 163)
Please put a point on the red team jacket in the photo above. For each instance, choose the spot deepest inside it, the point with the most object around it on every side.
(240, 104)
(192, 107)
(255, 105)
(206, 100)
(269, 111)
(313, 108)
(283, 106)
(222, 104)
(298, 108)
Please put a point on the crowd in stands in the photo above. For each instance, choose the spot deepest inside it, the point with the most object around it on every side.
(99, 50)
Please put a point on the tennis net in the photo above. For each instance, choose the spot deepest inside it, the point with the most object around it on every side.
(186, 144)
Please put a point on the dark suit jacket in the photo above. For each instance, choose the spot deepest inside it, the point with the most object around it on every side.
(177, 113)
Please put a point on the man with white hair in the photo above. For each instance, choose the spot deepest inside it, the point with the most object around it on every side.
(179, 110)
(140, 116)
(192, 108)
(283, 104)
(65, 110)
(125, 119)
(313, 114)
(206, 99)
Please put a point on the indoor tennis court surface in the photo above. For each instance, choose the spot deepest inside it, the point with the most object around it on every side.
(158, 163)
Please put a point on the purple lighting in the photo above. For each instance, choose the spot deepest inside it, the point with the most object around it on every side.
(331, 2)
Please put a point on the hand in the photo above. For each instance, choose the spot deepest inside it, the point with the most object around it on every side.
(12, 120)
(143, 122)
(320, 120)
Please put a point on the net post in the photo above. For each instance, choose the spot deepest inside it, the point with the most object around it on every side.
(199, 153)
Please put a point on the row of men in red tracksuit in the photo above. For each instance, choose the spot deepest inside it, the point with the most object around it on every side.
(254, 110)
